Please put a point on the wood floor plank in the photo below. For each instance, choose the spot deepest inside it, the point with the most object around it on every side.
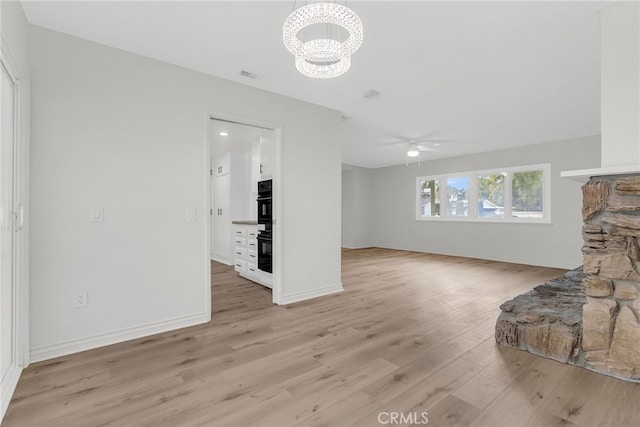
(452, 412)
(412, 332)
(493, 380)
(524, 397)
(425, 394)
(589, 399)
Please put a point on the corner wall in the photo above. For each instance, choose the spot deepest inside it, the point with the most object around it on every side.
(116, 131)
(356, 206)
(555, 245)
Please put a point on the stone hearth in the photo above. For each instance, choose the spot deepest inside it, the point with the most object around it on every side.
(590, 317)
(547, 320)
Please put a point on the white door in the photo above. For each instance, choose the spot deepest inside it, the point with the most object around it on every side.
(9, 352)
(222, 219)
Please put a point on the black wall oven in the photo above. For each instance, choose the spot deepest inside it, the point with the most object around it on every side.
(265, 220)
(265, 260)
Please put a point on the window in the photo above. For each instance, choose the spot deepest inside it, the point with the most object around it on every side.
(429, 198)
(458, 196)
(526, 194)
(519, 194)
(491, 188)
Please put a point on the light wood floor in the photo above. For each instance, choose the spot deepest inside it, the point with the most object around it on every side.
(412, 333)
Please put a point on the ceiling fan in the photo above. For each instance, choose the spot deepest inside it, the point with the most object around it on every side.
(415, 146)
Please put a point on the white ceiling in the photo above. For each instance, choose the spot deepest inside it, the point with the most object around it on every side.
(475, 76)
(240, 137)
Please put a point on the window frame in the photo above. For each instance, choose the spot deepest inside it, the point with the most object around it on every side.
(473, 195)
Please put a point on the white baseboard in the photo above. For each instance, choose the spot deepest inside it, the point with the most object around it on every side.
(315, 293)
(50, 351)
(510, 259)
(225, 261)
(7, 387)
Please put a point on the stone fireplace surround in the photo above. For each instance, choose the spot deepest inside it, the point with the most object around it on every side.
(590, 317)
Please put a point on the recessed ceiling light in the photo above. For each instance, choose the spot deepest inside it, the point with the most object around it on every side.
(223, 134)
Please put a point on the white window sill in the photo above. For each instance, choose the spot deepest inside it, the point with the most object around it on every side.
(543, 221)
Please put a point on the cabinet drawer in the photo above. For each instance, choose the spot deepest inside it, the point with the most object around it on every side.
(252, 256)
(252, 244)
(240, 232)
(253, 233)
(240, 241)
(252, 270)
(240, 252)
(241, 266)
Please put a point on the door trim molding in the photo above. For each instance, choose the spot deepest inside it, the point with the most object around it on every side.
(20, 196)
(277, 290)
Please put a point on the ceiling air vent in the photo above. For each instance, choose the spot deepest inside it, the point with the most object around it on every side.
(249, 75)
(371, 93)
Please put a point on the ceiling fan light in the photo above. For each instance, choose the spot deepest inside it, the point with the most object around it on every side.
(413, 152)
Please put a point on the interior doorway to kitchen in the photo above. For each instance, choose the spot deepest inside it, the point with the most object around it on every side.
(243, 226)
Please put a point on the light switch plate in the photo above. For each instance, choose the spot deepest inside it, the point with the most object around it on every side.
(192, 215)
(97, 214)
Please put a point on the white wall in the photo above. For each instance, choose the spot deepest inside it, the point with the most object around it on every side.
(620, 55)
(356, 206)
(557, 245)
(14, 31)
(128, 133)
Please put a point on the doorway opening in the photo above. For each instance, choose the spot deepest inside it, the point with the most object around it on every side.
(242, 163)
(13, 288)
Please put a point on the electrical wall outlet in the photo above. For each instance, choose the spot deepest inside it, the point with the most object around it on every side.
(81, 300)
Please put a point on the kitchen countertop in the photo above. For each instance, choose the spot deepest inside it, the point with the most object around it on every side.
(246, 222)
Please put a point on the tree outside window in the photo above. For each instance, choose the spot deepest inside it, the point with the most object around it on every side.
(526, 194)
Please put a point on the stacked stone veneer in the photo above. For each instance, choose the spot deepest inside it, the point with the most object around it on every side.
(589, 318)
(547, 320)
(611, 329)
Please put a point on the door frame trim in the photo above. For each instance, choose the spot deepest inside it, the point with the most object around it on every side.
(20, 197)
(278, 262)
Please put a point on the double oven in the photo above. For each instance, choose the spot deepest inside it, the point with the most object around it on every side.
(265, 223)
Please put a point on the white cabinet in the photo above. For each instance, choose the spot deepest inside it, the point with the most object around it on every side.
(255, 167)
(230, 200)
(221, 219)
(245, 248)
(222, 165)
(266, 157)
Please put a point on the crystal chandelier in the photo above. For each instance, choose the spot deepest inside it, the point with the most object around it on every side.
(323, 58)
